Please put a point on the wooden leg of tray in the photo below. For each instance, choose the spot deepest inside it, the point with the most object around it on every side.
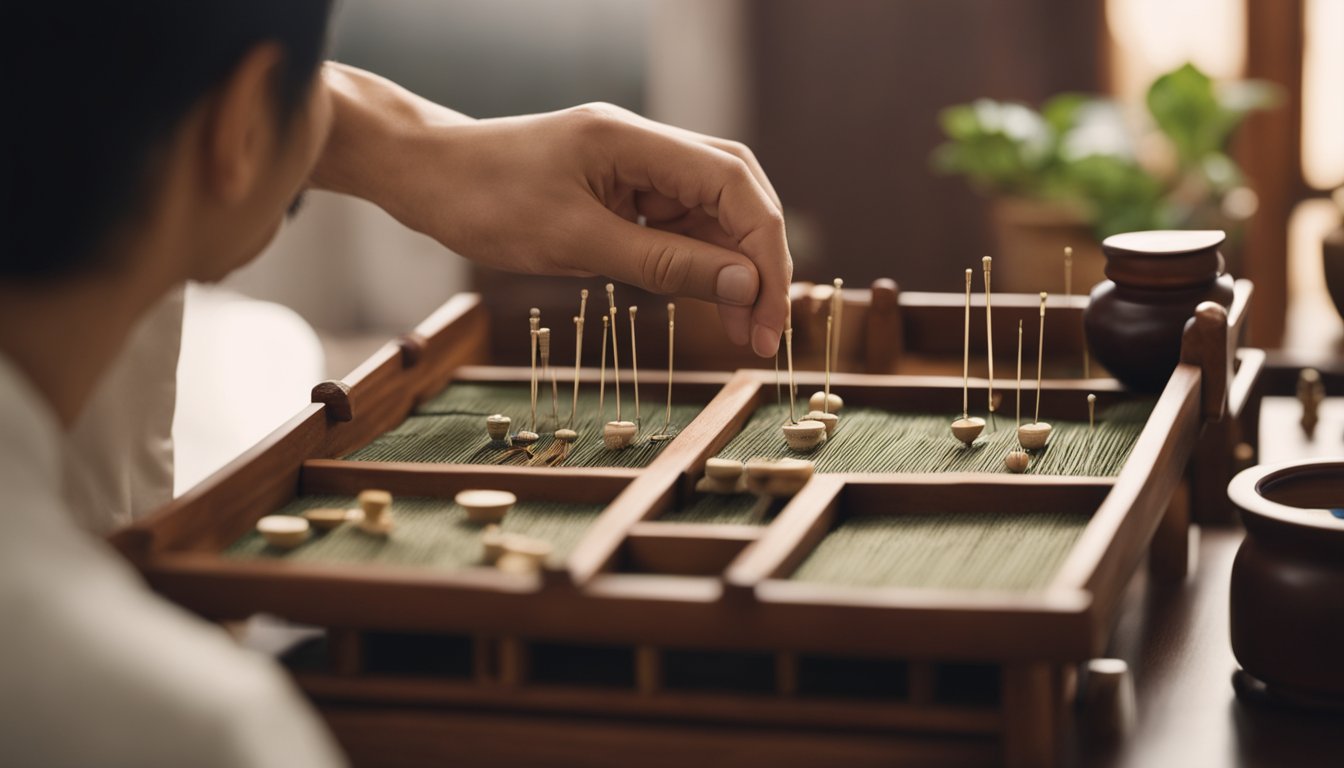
(345, 651)
(1032, 694)
(786, 673)
(483, 659)
(1169, 552)
(512, 661)
(648, 670)
(1211, 469)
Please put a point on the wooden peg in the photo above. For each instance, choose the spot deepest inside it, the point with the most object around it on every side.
(788, 351)
(602, 376)
(578, 356)
(485, 506)
(988, 262)
(967, 429)
(1034, 436)
(666, 434)
(1068, 287)
(578, 351)
(615, 352)
(529, 436)
(283, 531)
(634, 365)
(544, 342)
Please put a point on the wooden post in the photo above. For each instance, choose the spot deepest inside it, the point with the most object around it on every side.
(1030, 715)
(648, 670)
(884, 335)
(1169, 552)
(345, 651)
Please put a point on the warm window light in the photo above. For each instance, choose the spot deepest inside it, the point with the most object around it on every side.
(1154, 36)
(1323, 105)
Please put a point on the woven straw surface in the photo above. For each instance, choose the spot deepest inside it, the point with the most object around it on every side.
(874, 440)
(430, 533)
(965, 550)
(450, 428)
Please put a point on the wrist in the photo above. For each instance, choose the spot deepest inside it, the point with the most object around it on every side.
(374, 124)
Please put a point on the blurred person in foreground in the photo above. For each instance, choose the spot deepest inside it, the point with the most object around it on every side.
(150, 143)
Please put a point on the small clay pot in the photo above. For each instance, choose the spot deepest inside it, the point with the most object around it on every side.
(1135, 318)
(1287, 619)
(1332, 259)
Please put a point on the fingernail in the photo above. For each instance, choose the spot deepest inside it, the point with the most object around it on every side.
(765, 341)
(736, 285)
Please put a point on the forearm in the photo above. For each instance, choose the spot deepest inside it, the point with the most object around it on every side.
(372, 119)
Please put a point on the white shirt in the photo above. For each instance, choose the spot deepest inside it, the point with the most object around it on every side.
(96, 670)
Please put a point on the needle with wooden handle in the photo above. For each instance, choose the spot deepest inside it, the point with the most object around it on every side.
(615, 353)
(602, 376)
(634, 367)
(578, 351)
(989, 340)
(966, 429)
(666, 434)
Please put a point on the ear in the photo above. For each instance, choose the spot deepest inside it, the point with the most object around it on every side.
(241, 128)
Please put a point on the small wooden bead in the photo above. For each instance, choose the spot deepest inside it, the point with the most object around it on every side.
(283, 531)
(617, 435)
(1017, 461)
(492, 544)
(724, 469)
(374, 503)
(484, 506)
(535, 551)
(805, 436)
(1033, 437)
(709, 484)
(328, 519)
(497, 426)
(966, 430)
(778, 477)
(828, 419)
(512, 562)
(818, 401)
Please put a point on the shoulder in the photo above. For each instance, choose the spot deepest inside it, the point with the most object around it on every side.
(101, 671)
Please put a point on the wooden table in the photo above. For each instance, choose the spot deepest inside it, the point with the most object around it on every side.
(1176, 642)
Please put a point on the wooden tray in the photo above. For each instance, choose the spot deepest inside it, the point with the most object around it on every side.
(680, 623)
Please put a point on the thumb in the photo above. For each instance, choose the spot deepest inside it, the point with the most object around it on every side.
(670, 263)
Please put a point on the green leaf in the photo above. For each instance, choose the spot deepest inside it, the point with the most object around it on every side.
(1183, 105)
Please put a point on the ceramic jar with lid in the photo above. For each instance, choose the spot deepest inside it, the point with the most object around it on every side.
(1135, 318)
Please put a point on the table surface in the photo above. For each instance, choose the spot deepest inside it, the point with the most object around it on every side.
(1176, 643)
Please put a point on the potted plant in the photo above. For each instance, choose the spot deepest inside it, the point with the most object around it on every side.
(1075, 171)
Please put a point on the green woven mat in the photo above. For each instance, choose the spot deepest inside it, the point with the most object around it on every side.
(431, 533)
(450, 428)
(962, 550)
(874, 440)
(719, 508)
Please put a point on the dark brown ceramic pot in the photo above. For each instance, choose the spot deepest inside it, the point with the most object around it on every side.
(1332, 258)
(1155, 280)
(1287, 596)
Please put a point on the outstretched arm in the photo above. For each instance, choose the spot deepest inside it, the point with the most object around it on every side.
(562, 194)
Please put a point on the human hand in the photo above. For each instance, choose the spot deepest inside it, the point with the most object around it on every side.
(561, 194)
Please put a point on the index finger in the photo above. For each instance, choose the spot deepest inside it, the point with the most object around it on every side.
(700, 176)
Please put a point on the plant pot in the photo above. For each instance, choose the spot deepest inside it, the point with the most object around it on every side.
(1030, 237)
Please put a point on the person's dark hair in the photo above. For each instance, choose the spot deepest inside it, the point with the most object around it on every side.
(93, 87)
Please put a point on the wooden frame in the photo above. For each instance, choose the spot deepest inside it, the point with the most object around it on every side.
(643, 594)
